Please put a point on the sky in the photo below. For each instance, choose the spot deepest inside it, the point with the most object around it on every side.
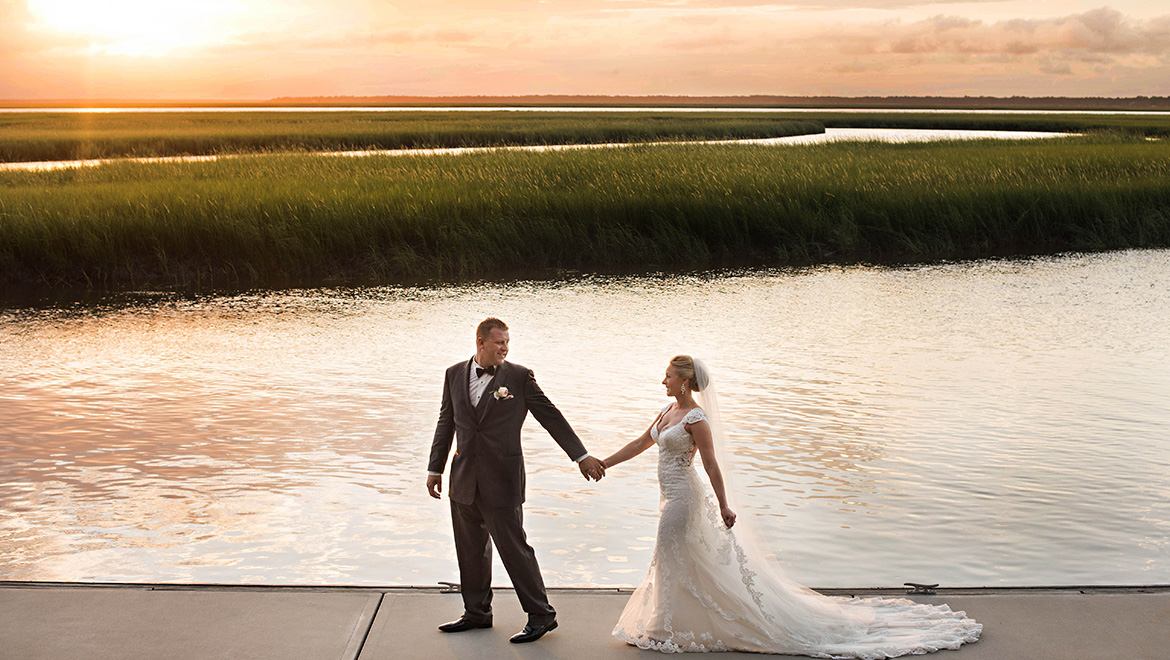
(259, 49)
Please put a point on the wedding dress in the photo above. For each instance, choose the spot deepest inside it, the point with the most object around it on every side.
(705, 592)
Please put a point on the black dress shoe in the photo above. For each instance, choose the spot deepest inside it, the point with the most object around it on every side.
(463, 623)
(532, 633)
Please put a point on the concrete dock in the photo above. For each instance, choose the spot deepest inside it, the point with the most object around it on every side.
(57, 621)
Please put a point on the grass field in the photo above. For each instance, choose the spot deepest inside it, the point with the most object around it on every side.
(73, 136)
(305, 219)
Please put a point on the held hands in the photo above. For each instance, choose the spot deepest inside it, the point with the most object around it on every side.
(592, 468)
(728, 516)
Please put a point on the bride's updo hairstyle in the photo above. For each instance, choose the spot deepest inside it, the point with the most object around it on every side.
(684, 366)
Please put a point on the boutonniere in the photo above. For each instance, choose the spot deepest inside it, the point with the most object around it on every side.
(502, 393)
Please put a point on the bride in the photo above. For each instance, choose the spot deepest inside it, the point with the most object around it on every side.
(706, 590)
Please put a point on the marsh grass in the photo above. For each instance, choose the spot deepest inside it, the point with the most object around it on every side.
(75, 136)
(306, 219)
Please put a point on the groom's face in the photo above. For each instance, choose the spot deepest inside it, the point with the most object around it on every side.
(492, 349)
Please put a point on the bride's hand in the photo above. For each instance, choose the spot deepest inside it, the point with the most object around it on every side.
(728, 516)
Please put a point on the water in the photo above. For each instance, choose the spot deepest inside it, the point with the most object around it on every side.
(830, 135)
(984, 423)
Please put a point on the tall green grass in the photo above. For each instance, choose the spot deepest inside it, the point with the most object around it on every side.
(73, 136)
(306, 219)
(69, 136)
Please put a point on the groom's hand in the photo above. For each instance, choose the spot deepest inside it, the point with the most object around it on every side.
(435, 485)
(592, 468)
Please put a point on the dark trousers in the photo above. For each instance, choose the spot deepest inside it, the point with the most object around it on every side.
(476, 527)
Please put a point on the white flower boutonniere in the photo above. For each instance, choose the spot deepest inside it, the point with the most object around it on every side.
(502, 393)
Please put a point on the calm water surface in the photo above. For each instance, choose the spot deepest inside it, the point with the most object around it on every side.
(982, 423)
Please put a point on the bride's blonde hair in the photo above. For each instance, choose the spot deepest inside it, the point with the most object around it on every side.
(684, 366)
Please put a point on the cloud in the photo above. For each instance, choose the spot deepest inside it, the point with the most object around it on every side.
(1102, 31)
(1049, 66)
(580, 6)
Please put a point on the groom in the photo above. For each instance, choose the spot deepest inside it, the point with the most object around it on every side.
(485, 401)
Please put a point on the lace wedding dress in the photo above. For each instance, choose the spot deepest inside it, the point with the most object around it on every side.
(705, 592)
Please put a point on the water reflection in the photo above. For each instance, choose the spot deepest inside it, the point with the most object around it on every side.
(1008, 415)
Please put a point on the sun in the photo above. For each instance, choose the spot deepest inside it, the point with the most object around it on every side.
(142, 28)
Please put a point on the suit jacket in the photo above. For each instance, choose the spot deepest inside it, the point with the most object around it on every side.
(489, 461)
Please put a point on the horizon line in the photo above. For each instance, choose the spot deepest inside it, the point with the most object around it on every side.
(746, 100)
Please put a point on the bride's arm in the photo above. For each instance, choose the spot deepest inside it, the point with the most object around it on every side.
(701, 432)
(631, 450)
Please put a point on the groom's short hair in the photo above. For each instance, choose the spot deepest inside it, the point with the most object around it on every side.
(486, 325)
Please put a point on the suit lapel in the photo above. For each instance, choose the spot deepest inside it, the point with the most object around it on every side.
(487, 400)
(466, 389)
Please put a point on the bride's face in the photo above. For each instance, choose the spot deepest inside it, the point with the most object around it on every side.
(674, 384)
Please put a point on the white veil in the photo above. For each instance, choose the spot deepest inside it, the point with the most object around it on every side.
(746, 528)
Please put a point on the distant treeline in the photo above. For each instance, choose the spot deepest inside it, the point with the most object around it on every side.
(760, 101)
(553, 100)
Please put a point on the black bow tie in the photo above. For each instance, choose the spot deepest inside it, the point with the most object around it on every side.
(480, 371)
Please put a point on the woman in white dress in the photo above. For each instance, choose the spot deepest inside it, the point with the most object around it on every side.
(707, 591)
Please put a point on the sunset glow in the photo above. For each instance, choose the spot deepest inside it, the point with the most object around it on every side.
(256, 49)
(137, 27)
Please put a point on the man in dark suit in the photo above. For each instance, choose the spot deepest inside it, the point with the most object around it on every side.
(485, 401)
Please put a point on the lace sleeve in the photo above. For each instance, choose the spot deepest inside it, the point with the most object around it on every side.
(695, 415)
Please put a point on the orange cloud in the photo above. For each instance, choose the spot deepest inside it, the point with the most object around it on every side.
(1104, 31)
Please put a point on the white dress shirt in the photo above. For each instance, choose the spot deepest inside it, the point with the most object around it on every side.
(477, 383)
